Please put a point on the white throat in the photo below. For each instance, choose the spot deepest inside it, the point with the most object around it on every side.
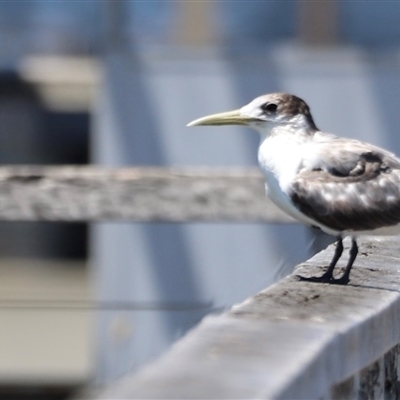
(280, 156)
(297, 127)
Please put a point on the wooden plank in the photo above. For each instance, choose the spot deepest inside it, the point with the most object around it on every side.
(135, 194)
(292, 340)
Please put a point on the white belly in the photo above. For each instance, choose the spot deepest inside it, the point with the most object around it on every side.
(282, 200)
(279, 161)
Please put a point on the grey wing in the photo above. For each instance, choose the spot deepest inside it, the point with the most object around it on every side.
(350, 186)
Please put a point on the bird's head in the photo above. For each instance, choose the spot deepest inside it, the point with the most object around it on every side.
(265, 113)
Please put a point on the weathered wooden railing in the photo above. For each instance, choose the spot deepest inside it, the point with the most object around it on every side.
(295, 340)
(137, 194)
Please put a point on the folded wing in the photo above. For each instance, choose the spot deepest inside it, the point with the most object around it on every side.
(350, 186)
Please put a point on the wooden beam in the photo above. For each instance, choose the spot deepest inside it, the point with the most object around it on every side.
(136, 194)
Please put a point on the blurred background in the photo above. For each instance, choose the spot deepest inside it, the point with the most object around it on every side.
(114, 83)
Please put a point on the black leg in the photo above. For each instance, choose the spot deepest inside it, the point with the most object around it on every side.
(345, 278)
(328, 275)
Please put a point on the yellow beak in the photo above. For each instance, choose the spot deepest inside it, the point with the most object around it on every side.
(226, 118)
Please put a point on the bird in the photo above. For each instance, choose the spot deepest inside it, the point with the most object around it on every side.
(343, 186)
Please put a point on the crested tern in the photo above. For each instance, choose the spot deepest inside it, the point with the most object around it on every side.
(343, 186)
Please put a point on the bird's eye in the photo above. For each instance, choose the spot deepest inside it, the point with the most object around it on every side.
(269, 108)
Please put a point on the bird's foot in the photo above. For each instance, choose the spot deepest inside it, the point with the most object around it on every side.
(325, 278)
(344, 280)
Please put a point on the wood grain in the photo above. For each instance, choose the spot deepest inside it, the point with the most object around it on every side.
(30, 193)
(293, 340)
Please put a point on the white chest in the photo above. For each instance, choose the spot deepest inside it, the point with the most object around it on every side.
(279, 159)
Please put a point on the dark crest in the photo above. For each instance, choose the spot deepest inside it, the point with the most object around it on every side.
(292, 105)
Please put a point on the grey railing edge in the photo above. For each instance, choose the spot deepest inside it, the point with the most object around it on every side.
(292, 340)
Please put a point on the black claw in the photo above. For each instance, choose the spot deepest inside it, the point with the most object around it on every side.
(321, 279)
(340, 281)
(324, 279)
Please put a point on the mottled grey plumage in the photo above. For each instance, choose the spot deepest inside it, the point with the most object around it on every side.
(343, 186)
(354, 187)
